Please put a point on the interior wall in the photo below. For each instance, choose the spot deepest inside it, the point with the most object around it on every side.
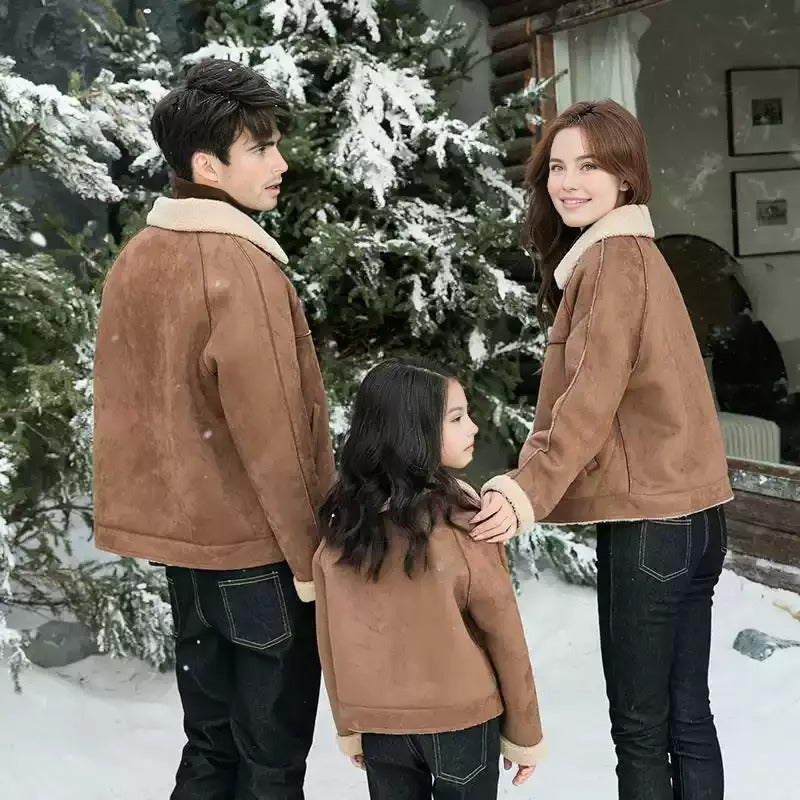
(681, 101)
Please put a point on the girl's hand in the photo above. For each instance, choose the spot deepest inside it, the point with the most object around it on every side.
(523, 773)
(358, 761)
(496, 521)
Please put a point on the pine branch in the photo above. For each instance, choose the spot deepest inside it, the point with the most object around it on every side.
(15, 156)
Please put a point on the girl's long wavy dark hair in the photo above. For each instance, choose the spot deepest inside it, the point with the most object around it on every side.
(617, 142)
(390, 468)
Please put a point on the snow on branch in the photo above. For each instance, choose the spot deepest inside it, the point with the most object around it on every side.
(53, 132)
(468, 139)
(278, 64)
(316, 15)
(126, 108)
(386, 107)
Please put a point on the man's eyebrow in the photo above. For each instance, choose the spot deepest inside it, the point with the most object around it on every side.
(264, 142)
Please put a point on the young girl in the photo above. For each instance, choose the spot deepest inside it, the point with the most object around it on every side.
(419, 634)
(626, 435)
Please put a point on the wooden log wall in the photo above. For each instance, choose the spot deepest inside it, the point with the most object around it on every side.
(764, 523)
(515, 61)
(520, 39)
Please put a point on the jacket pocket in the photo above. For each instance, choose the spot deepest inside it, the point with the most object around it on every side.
(460, 755)
(665, 546)
(256, 610)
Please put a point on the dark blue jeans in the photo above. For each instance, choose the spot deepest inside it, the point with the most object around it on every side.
(248, 677)
(458, 765)
(656, 580)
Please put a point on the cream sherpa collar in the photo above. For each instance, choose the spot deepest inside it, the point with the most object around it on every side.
(212, 216)
(622, 221)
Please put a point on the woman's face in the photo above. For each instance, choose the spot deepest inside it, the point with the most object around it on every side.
(581, 192)
(458, 430)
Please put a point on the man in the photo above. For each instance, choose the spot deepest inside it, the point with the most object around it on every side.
(212, 450)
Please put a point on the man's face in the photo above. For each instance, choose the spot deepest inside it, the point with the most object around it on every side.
(252, 175)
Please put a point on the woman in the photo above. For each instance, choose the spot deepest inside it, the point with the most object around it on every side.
(626, 436)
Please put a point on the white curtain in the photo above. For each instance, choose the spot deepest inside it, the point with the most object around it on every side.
(601, 59)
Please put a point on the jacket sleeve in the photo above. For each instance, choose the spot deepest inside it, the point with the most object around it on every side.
(245, 354)
(601, 351)
(348, 741)
(492, 606)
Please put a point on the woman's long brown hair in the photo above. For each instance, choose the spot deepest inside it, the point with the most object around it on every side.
(616, 140)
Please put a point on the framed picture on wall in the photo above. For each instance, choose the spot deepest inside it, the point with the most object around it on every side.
(766, 211)
(763, 110)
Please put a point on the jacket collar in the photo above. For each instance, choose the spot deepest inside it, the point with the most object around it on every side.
(203, 214)
(183, 189)
(622, 221)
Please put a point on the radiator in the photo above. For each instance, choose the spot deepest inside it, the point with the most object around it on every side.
(750, 438)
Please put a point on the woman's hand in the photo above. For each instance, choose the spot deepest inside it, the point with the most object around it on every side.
(523, 772)
(496, 521)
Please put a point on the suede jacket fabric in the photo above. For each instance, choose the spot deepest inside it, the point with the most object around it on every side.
(211, 441)
(625, 425)
(442, 651)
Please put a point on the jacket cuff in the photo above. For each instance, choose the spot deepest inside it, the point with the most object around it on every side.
(305, 590)
(350, 745)
(515, 495)
(524, 756)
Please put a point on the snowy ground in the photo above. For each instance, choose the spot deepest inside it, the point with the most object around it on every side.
(111, 730)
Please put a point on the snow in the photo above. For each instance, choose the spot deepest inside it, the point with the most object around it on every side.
(113, 728)
(59, 130)
(313, 15)
(477, 348)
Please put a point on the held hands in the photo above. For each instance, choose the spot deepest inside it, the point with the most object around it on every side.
(523, 772)
(358, 761)
(496, 521)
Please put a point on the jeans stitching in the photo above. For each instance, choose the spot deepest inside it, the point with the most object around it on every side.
(413, 748)
(176, 607)
(455, 778)
(649, 570)
(224, 585)
(723, 534)
(197, 599)
(705, 524)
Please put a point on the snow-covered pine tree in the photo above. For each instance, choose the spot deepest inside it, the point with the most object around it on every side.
(45, 323)
(47, 315)
(394, 212)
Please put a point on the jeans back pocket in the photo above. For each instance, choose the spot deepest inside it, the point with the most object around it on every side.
(256, 610)
(460, 755)
(665, 547)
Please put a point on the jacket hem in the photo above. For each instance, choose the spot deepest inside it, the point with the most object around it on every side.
(350, 745)
(421, 720)
(305, 590)
(633, 507)
(515, 494)
(186, 554)
(523, 756)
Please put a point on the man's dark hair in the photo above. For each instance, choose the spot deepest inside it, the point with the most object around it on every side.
(216, 102)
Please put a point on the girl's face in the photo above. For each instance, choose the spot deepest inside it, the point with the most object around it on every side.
(458, 430)
(581, 192)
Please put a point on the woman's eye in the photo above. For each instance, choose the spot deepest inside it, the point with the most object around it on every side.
(588, 166)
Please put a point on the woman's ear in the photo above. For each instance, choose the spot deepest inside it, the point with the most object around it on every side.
(624, 187)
